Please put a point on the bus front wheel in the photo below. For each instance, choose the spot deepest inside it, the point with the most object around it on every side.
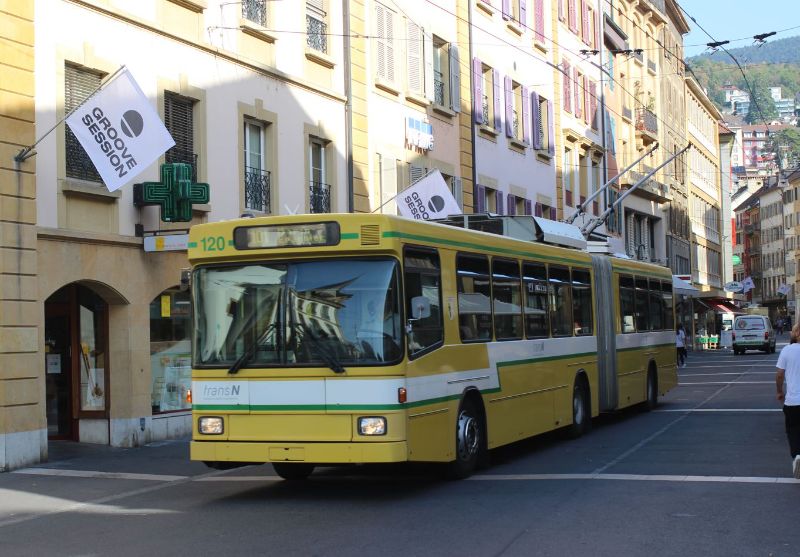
(581, 415)
(293, 470)
(469, 441)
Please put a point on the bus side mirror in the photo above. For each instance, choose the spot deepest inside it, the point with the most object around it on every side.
(420, 307)
(186, 279)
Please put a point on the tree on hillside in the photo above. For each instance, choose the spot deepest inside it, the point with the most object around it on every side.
(760, 99)
(786, 141)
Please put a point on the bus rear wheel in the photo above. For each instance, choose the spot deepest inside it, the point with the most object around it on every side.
(581, 415)
(293, 470)
(470, 439)
(652, 389)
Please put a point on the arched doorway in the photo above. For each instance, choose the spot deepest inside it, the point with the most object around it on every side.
(76, 360)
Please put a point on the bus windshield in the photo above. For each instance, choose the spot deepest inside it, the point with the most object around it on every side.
(329, 313)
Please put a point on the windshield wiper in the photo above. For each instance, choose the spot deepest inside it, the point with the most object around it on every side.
(326, 356)
(248, 354)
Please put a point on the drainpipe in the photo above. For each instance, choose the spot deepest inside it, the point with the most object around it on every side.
(348, 107)
(472, 79)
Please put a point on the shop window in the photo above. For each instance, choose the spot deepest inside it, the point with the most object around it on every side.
(170, 351)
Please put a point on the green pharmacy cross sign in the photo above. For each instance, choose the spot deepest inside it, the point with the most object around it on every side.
(175, 193)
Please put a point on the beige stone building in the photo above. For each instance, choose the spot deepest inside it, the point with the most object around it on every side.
(23, 434)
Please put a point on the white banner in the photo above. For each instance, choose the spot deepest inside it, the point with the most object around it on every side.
(429, 198)
(120, 131)
(784, 289)
(748, 284)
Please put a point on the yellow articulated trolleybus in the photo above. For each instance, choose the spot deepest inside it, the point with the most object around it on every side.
(354, 338)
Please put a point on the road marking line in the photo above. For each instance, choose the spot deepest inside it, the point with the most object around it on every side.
(240, 479)
(720, 410)
(96, 474)
(732, 373)
(733, 365)
(635, 477)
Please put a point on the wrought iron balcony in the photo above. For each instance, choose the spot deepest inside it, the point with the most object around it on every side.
(316, 34)
(646, 125)
(256, 189)
(515, 124)
(438, 88)
(255, 11)
(184, 156)
(486, 110)
(319, 196)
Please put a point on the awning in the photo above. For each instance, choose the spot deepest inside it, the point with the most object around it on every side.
(701, 304)
(680, 286)
(724, 306)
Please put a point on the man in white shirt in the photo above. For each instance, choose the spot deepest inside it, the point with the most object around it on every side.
(787, 382)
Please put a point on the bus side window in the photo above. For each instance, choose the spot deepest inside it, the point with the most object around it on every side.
(666, 293)
(537, 322)
(506, 300)
(474, 298)
(627, 307)
(643, 321)
(582, 301)
(560, 289)
(656, 306)
(423, 277)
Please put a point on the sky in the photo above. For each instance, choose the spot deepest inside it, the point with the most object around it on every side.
(735, 19)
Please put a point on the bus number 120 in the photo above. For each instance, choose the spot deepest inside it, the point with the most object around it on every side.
(213, 243)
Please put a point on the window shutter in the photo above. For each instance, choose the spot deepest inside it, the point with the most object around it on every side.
(509, 107)
(538, 18)
(477, 91)
(523, 13)
(506, 9)
(596, 35)
(458, 191)
(526, 111)
(585, 22)
(479, 203)
(414, 56)
(536, 121)
(380, 41)
(578, 95)
(567, 87)
(179, 121)
(552, 213)
(528, 206)
(498, 100)
(415, 173)
(78, 85)
(498, 202)
(511, 203)
(455, 77)
(630, 239)
(593, 104)
(390, 67)
(538, 210)
(561, 10)
(427, 54)
(573, 21)
(551, 130)
(587, 111)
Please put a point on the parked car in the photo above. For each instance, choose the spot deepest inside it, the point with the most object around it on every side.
(753, 332)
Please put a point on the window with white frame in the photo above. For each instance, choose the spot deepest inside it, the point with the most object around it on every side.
(319, 188)
(441, 72)
(516, 103)
(568, 173)
(256, 176)
(316, 26)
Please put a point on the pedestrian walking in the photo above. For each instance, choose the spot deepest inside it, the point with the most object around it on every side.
(680, 345)
(779, 326)
(787, 381)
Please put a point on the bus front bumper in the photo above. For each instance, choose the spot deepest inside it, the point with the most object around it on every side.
(317, 453)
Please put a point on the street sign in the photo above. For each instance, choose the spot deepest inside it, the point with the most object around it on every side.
(733, 286)
(167, 242)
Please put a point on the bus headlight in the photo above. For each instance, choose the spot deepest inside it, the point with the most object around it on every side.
(210, 425)
(372, 425)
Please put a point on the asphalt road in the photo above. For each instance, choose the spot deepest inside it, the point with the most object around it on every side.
(707, 473)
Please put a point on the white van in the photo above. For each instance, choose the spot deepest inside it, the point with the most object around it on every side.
(753, 332)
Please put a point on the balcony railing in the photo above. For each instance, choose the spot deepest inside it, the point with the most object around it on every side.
(647, 122)
(486, 110)
(316, 34)
(319, 195)
(515, 124)
(256, 189)
(181, 155)
(438, 88)
(255, 11)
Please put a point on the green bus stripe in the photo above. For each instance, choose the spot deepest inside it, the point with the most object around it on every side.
(481, 247)
(649, 346)
(349, 235)
(192, 244)
(543, 359)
